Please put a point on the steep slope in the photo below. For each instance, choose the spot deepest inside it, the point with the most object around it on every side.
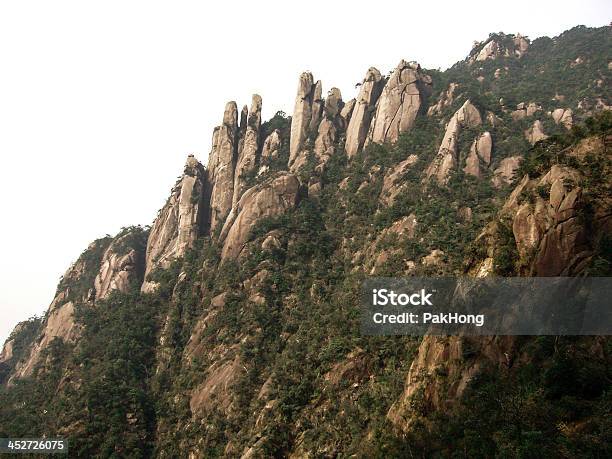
(243, 339)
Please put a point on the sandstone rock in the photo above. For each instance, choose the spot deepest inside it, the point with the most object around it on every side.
(446, 99)
(221, 166)
(122, 265)
(247, 156)
(504, 174)
(399, 102)
(180, 221)
(535, 133)
(359, 124)
(446, 158)
(563, 116)
(302, 115)
(479, 152)
(391, 186)
(268, 199)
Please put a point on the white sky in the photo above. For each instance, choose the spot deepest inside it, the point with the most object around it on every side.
(100, 102)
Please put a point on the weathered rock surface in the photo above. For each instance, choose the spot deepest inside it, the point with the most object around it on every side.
(399, 103)
(247, 155)
(480, 151)
(221, 167)
(302, 115)
(271, 146)
(347, 112)
(446, 100)
(548, 232)
(446, 159)
(268, 199)
(361, 117)
(122, 264)
(76, 286)
(327, 133)
(563, 116)
(392, 185)
(180, 221)
(504, 174)
(535, 133)
(494, 49)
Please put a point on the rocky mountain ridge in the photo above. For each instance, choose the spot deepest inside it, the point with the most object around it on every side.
(247, 280)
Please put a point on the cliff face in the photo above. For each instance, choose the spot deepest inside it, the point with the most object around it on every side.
(230, 329)
(179, 222)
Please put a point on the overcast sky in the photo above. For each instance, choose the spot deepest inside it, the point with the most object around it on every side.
(100, 102)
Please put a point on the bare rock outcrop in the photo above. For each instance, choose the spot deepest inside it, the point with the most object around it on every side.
(122, 263)
(504, 174)
(347, 112)
(179, 222)
(399, 102)
(247, 155)
(549, 234)
(221, 167)
(76, 286)
(480, 152)
(446, 159)
(327, 134)
(535, 133)
(563, 116)
(271, 198)
(445, 100)
(302, 115)
(271, 145)
(495, 48)
(361, 117)
(392, 185)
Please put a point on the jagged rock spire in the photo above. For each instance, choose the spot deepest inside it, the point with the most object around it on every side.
(360, 118)
(446, 159)
(179, 222)
(302, 115)
(399, 102)
(221, 165)
(247, 156)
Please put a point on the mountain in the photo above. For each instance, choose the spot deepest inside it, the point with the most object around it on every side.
(230, 327)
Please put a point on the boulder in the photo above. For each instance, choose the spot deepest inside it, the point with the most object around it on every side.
(535, 133)
(563, 116)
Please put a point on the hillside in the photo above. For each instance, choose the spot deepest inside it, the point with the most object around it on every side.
(230, 326)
